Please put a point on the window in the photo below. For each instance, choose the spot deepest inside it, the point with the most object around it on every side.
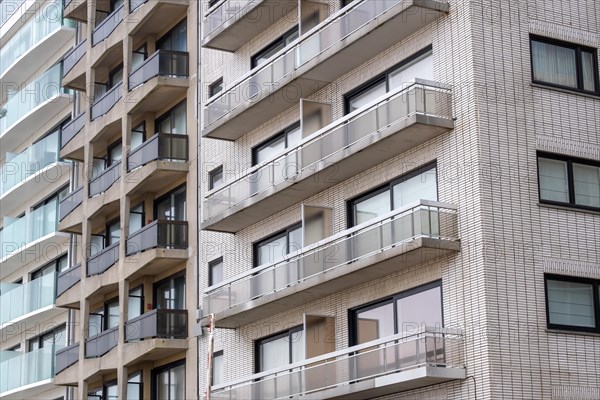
(135, 306)
(134, 387)
(173, 121)
(175, 39)
(277, 246)
(168, 382)
(569, 181)
(215, 87)
(564, 65)
(58, 265)
(136, 218)
(215, 271)
(572, 303)
(55, 339)
(138, 136)
(265, 54)
(171, 206)
(138, 57)
(105, 317)
(279, 350)
(215, 178)
(289, 137)
(419, 65)
(407, 312)
(170, 293)
(416, 185)
(218, 368)
(109, 391)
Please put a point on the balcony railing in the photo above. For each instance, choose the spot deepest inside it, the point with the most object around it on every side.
(102, 343)
(106, 258)
(224, 12)
(435, 348)
(135, 4)
(43, 89)
(73, 57)
(20, 232)
(167, 63)
(26, 298)
(66, 357)
(8, 9)
(161, 146)
(67, 279)
(106, 179)
(266, 77)
(19, 369)
(71, 202)
(162, 234)
(108, 25)
(421, 219)
(163, 323)
(108, 100)
(47, 20)
(28, 163)
(71, 129)
(330, 143)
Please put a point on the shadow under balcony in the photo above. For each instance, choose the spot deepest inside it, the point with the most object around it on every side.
(154, 17)
(396, 122)
(76, 9)
(415, 234)
(350, 37)
(65, 358)
(70, 212)
(377, 368)
(72, 138)
(99, 358)
(67, 288)
(74, 68)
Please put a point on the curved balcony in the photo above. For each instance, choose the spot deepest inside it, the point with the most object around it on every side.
(73, 69)
(40, 38)
(71, 143)
(405, 237)
(29, 110)
(400, 120)
(342, 42)
(370, 370)
(25, 375)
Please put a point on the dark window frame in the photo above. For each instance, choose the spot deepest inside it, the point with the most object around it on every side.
(277, 42)
(55, 263)
(286, 333)
(160, 42)
(579, 70)
(595, 283)
(159, 199)
(213, 86)
(215, 354)
(141, 297)
(283, 133)
(171, 279)
(570, 179)
(140, 384)
(169, 115)
(211, 177)
(281, 233)
(39, 338)
(211, 264)
(163, 368)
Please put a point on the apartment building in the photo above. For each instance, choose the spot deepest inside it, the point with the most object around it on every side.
(400, 199)
(34, 109)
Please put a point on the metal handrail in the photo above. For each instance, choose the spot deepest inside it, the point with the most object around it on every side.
(109, 17)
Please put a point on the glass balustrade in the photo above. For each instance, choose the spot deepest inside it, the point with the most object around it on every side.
(19, 369)
(26, 298)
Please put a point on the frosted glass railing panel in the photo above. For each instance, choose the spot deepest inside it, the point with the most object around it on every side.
(8, 8)
(27, 298)
(19, 369)
(224, 12)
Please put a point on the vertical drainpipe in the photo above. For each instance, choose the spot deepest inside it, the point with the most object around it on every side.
(198, 136)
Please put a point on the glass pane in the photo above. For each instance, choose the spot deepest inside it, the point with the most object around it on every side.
(297, 346)
(272, 251)
(216, 178)
(112, 392)
(113, 314)
(372, 207)
(162, 386)
(177, 382)
(375, 323)
(419, 187)
(96, 244)
(554, 64)
(295, 240)
(274, 353)
(366, 96)
(587, 185)
(294, 136)
(114, 233)
(553, 180)
(137, 136)
(216, 273)
(218, 370)
(179, 120)
(135, 221)
(571, 303)
(421, 67)
(115, 154)
(420, 310)
(269, 150)
(587, 67)
(134, 307)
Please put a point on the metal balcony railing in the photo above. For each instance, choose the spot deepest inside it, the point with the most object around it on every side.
(108, 100)
(71, 129)
(105, 180)
(18, 300)
(71, 202)
(224, 12)
(108, 25)
(162, 234)
(135, 4)
(330, 142)
(66, 357)
(164, 324)
(73, 57)
(106, 258)
(421, 219)
(102, 343)
(67, 279)
(161, 146)
(18, 369)
(167, 63)
(429, 347)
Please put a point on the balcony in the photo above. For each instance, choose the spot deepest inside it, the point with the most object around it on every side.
(66, 280)
(405, 237)
(373, 369)
(76, 9)
(400, 120)
(350, 37)
(104, 192)
(106, 102)
(100, 344)
(103, 260)
(232, 23)
(157, 163)
(71, 222)
(29, 110)
(25, 375)
(153, 17)
(73, 69)
(28, 304)
(71, 143)
(23, 239)
(31, 172)
(160, 80)
(43, 35)
(108, 25)
(66, 357)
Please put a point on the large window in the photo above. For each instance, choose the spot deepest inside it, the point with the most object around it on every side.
(420, 184)
(279, 350)
(56, 339)
(572, 303)
(419, 65)
(265, 54)
(569, 181)
(171, 206)
(170, 293)
(168, 382)
(135, 387)
(173, 121)
(215, 271)
(405, 312)
(109, 391)
(218, 368)
(277, 246)
(175, 39)
(565, 65)
(287, 138)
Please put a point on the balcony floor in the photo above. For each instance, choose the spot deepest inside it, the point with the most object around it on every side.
(152, 262)
(153, 349)
(152, 95)
(155, 16)
(154, 176)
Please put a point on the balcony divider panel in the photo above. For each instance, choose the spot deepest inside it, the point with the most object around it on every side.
(73, 57)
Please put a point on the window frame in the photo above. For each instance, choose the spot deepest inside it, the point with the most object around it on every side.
(579, 69)
(212, 174)
(54, 263)
(169, 195)
(40, 338)
(170, 115)
(570, 179)
(213, 86)
(281, 233)
(265, 143)
(286, 333)
(163, 368)
(211, 264)
(215, 355)
(171, 280)
(277, 42)
(596, 302)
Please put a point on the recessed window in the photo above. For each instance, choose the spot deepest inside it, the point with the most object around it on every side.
(279, 350)
(215, 271)
(215, 87)
(134, 386)
(565, 65)
(266, 53)
(572, 303)
(215, 177)
(289, 137)
(277, 246)
(218, 368)
(168, 381)
(569, 181)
